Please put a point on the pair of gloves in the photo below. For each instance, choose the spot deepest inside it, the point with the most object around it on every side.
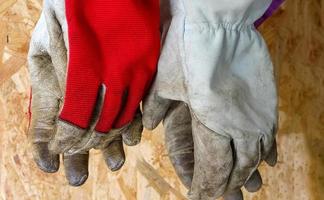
(214, 89)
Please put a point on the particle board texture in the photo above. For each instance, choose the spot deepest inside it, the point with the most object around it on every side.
(295, 35)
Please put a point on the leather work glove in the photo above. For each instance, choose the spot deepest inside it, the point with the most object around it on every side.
(47, 64)
(114, 48)
(215, 61)
(179, 129)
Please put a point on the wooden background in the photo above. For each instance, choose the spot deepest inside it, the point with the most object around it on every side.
(296, 39)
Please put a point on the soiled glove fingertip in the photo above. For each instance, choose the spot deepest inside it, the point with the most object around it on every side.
(48, 166)
(76, 168)
(132, 136)
(272, 158)
(149, 123)
(77, 180)
(132, 139)
(114, 155)
(237, 195)
(254, 183)
(132, 142)
(115, 166)
(45, 160)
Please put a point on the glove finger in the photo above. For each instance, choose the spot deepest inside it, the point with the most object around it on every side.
(179, 141)
(236, 195)
(76, 168)
(42, 130)
(254, 183)
(269, 147)
(154, 110)
(213, 163)
(272, 157)
(114, 154)
(44, 107)
(247, 159)
(44, 159)
(71, 139)
(133, 133)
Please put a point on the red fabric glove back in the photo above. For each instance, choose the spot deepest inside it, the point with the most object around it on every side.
(114, 43)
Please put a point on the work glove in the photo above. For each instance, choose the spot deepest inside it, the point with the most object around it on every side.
(114, 48)
(215, 61)
(47, 64)
(178, 128)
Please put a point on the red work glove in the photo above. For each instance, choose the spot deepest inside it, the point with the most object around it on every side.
(114, 44)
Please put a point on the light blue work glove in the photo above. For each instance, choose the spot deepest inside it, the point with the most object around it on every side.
(215, 61)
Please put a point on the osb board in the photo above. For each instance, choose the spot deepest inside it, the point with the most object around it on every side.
(295, 38)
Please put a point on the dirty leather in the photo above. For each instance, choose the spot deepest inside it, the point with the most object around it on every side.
(47, 60)
(178, 130)
(215, 61)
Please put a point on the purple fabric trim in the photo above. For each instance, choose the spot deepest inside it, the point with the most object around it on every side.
(273, 7)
